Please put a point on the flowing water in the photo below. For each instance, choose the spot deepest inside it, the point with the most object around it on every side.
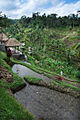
(44, 103)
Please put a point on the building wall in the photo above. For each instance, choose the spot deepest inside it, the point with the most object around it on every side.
(2, 47)
(1, 43)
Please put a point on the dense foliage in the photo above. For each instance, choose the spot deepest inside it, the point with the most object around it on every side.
(54, 41)
(50, 21)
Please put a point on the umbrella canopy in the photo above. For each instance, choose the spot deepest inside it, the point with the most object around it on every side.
(12, 42)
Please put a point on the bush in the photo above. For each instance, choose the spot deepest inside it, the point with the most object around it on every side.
(78, 74)
(37, 56)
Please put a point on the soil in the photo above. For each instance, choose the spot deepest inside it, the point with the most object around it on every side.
(4, 74)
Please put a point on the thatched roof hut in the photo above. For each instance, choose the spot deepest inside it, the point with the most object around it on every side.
(12, 42)
(0, 29)
(0, 36)
(3, 37)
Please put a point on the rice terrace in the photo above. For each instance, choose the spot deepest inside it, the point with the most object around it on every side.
(39, 60)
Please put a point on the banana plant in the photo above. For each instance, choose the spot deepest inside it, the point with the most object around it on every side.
(76, 48)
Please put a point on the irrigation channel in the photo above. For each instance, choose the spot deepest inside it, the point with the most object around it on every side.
(43, 103)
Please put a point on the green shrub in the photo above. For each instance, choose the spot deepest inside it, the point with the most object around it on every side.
(30, 58)
(37, 56)
(77, 74)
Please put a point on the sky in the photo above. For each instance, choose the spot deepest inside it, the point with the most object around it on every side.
(17, 8)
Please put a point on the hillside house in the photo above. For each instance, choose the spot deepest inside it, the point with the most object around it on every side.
(11, 43)
(3, 40)
(6, 42)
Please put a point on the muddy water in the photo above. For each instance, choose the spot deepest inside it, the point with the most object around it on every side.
(45, 103)
(24, 71)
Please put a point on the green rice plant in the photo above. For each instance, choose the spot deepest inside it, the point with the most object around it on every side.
(33, 79)
(10, 109)
(71, 86)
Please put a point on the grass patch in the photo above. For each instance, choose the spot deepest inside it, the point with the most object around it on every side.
(55, 85)
(18, 81)
(2, 55)
(33, 79)
(70, 86)
(32, 67)
(3, 63)
(4, 84)
(10, 109)
(41, 70)
(61, 83)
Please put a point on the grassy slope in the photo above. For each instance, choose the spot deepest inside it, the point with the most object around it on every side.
(47, 73)
(33, 80)
(49, 37)
(66, 36)
(17, 80)
(55, 85)
(10, 109)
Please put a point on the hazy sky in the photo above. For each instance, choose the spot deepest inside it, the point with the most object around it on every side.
(18, 8)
